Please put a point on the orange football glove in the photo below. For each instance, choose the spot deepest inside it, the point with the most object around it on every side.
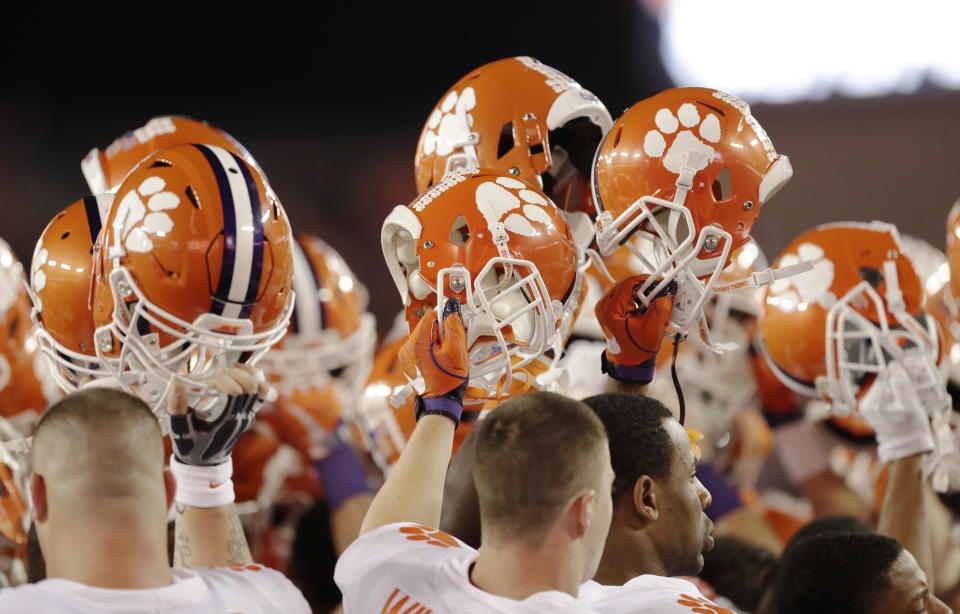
(438, 368)
(633, 332)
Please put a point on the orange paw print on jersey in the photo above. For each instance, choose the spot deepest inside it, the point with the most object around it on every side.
(701, 606)
(433, 537)
(243, 567)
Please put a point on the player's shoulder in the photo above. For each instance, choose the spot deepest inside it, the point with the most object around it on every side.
(23, 598)
(415, 544)
(259, 583)
(649, 593)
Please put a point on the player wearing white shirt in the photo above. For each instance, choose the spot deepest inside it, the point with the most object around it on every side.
(236, 589)
(543, 477)
(100, 497)
(659, 527)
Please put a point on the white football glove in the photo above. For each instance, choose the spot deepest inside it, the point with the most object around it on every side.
(894, 410)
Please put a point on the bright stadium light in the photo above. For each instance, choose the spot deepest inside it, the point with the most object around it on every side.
(780, 51)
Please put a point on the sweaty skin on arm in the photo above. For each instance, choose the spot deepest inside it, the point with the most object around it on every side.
(903, 514)
(210, 537)
(414, 490)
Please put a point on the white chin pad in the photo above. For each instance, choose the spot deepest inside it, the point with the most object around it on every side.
(418, 287)
(775, 178)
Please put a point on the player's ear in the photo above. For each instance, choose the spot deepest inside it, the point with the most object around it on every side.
(645, 499)
(170, 484)
(38, 491)
(580, 513)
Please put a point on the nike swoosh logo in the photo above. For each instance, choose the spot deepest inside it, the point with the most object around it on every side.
(419, 384)
(212, 485)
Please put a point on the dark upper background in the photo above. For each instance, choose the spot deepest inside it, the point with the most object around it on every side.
(332, 105)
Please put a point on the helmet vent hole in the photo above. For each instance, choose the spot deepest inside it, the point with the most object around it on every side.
(233, 170)
(506, 140)
(65, 235)
(460, 233)
(616, 139)
(161, 164)
(276, 209)
(536, 148)
(192, 197)
(721, 185)
(871, 275)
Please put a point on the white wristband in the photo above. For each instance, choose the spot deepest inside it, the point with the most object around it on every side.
(203, 486)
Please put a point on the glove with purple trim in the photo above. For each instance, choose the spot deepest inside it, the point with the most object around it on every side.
(633, 332)
(438, 367)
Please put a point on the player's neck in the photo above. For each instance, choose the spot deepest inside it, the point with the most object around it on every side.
(111, 551)
(628, 553)
(515, 571)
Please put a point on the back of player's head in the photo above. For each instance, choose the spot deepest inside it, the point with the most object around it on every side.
(99, 443)
(535, 452)
(740, 571)
(829, 525)
(639, 444)
(837, 572)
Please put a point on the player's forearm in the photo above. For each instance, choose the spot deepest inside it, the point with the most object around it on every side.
(208, 537)
(903, 515)
(414, 490)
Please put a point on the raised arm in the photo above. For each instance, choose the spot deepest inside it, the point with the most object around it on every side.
(438, 368)
(207, 529)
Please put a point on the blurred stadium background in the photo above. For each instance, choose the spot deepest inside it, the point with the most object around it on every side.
(863, 97)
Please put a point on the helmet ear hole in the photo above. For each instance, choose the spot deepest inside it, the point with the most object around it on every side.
(506, 142)
(460, 232)
(721, 185)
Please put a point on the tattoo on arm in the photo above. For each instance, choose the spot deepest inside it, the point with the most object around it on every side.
(181, 547)
(237, 549)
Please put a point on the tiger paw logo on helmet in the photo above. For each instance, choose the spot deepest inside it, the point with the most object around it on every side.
(131, 211)
(38, 278)
(449, 125)
(810, 287)
(688, 116)
(514, 199)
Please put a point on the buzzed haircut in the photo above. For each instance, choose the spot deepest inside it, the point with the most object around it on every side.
(836, 573)
(534, 452)
(105, 438)
(639, 443)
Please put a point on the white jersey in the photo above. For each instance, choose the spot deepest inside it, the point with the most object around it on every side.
(649, 594)
(408, 567)
(234, 589)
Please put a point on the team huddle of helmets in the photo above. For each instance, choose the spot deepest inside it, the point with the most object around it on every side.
(543, 216)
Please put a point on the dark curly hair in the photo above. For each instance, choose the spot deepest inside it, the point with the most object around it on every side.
(639, 445)
(836, 573)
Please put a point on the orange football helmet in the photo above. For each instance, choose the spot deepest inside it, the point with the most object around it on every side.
(192, 272)
(934, 270)
(519, 116)
(686, 170)
(953, 251)
(505, 250)
(332, 335)
(105, 170)
(26, 386)
(265, 470)
(60, 286)
(827, 333)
